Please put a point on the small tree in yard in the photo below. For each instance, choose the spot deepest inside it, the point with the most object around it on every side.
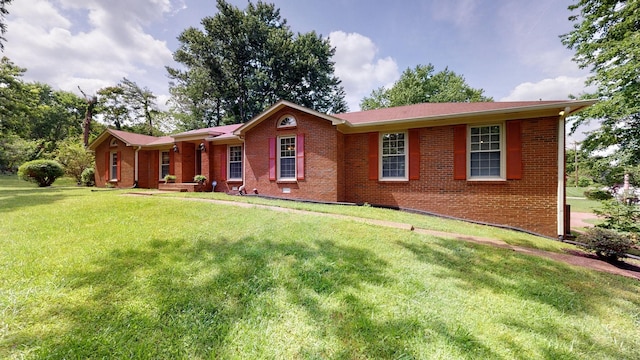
(42, 172)
(75, 158)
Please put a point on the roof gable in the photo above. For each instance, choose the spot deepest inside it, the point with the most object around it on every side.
(277, 107)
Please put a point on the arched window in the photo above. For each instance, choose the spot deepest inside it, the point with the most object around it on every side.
(287, 121)
(114, 142)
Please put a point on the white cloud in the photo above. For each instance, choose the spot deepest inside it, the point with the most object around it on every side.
(89, 43)
(548, 89)
(358, 67)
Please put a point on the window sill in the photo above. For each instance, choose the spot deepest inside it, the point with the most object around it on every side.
(287, 181)
(229, 181)
(392, 180)
(487, 181)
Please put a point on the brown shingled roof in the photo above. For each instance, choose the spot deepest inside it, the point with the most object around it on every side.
(429, 110)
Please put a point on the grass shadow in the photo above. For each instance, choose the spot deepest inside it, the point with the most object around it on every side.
(184, 298)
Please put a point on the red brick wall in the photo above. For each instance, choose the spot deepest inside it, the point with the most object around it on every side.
(149, 169)
(185, 166)
(320, 158)
(529, 203)
(126, 163)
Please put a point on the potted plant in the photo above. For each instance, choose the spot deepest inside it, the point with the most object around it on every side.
(170, 179)
(200, 179)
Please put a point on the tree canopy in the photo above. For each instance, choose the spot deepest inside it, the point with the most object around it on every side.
(34, 118)
(3, 25)
(127, 105)
(422, 85)
(606, 40)
(243, 61)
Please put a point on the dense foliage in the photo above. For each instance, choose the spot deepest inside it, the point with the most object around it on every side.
(620, 216)
(422, 85)
(88, 177)
(606, 39)
(128, 104)
(243, 61)
(74, 157)
(41, 172)
(3, 26)
(605, 243)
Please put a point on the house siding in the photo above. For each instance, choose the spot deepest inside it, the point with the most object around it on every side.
(321, 169)
(126, 164)
(529, 203)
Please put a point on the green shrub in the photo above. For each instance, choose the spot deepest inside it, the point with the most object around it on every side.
(88, 177)
(42, 172)
(597, 194)
(607, 244)
(619, 216)
(584, 182)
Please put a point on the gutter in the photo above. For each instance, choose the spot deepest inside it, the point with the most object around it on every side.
(561, 200)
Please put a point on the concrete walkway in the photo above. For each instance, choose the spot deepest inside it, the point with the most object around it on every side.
(574, 260)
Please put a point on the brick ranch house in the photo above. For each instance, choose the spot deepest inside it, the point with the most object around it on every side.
(499, 163)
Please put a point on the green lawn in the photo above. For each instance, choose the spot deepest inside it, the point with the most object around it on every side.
(98, 275)
(575, 198)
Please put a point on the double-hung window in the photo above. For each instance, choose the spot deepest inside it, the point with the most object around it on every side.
(235, 162)
(394, 156)
(287, 158)
(113, 166)
(486, 152)
(164, 164)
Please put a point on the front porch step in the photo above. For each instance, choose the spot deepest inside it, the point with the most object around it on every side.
(181, 187)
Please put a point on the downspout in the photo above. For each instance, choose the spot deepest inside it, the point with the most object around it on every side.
(135, 168)
(561, 201)
(244, 159)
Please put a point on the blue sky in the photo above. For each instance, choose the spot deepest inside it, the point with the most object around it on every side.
(509, 48)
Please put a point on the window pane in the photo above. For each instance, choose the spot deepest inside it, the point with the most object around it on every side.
(235, 170)
(288, 158)
(393, 155)
(114, 165)
(288, 168)
(485, 151)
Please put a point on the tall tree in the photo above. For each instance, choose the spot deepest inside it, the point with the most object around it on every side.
(606, 40)
(91, 102)
(128, 105)
(13, 97)
(141, 102)
(3, 25)
(422, 85)
(112, 105)
(245, 60)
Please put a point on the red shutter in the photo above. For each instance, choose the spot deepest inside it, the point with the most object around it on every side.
(460, 152)
(107, 164)
(272, 158)
(172, 166)
(119, 164)
(414, 154)
(514, 149)
(300, 156)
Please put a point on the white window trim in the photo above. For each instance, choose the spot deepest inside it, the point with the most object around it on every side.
(278, 154)
(503, 154)
(406, 157)
(111, 166)
(160, 163)
(229, 178)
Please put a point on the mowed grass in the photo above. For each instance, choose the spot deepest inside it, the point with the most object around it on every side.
(575, 198)
(99, 275)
